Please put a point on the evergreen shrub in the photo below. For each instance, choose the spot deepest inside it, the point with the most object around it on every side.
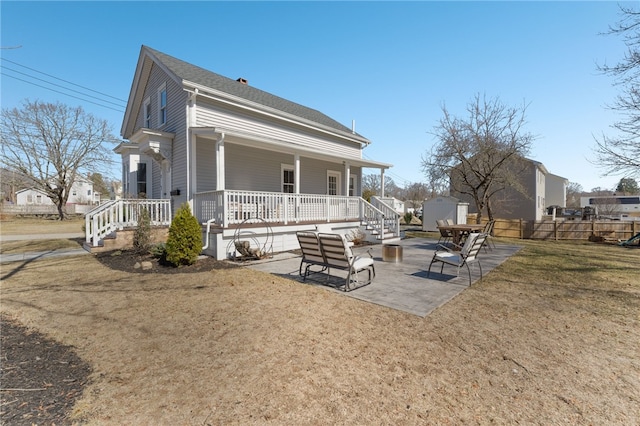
(142, 234)
(184, 243)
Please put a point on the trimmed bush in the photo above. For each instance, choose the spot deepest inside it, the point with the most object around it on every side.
(184, 243)
(408, 218)
(142, 234)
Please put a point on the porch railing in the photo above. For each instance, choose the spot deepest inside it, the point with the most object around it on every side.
(118, 214)
(233, 207)
(390, 218)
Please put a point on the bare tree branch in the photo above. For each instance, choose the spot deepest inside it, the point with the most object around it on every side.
(52, 144)
(479, 156)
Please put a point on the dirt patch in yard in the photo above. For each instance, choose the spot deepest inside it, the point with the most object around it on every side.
(549, 337)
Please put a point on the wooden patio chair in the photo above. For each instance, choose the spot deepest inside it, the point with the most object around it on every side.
(467, 254)
(338, 254)
(311, 253)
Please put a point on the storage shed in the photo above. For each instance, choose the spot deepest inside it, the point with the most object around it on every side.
(443, 208)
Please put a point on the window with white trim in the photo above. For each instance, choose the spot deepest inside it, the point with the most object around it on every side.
(288, 179)
(162, 105)
(141, 177)
(333, 183)
(352, 185)
(147, 113)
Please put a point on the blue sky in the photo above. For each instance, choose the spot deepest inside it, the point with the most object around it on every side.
(390, 66)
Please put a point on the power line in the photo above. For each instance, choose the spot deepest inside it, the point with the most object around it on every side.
(58, 85)
(68, 82)
(389, 172)
(66, 94)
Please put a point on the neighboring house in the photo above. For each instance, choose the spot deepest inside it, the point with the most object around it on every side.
(541, 190)
(235, 152)
(613, 206)
(32, 196)
(81, 193)
(556, 190)
(394, 203)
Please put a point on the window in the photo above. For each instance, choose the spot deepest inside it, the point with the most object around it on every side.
(352, 185)
(88, 192)
(30, 198)
(38, 199)
(162, 105)
(288, 179)
(147, 113)
(142, 179)
(333, 183)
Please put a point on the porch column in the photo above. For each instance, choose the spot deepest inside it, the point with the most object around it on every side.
(347, 171)
(220, 173)
(381, 183)
(296, 173)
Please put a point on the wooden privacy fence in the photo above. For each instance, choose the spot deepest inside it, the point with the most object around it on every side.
(565, 229)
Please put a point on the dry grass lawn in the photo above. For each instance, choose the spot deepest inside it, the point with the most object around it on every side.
(552, 336)
(11, 225)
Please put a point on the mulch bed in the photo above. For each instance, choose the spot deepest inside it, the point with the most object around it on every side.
(41, 379)
(130, 261)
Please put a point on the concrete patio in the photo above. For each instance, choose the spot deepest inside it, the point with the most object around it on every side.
(403, 286)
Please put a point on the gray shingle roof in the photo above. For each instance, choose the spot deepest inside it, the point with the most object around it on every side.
(201, 76)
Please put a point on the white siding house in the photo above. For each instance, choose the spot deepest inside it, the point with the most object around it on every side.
(235, 152)
(81, 193)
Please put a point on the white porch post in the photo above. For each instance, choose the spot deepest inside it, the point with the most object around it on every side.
(347, 172)
(191, 141)
(220, 172)
(296, 173)
(381, 183)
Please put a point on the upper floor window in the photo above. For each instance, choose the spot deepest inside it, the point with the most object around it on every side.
(162, 105)
(147, 113)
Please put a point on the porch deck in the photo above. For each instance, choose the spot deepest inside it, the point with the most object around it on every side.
(402, 286)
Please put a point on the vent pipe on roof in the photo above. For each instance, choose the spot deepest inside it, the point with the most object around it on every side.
(353, 126)
(242, 80)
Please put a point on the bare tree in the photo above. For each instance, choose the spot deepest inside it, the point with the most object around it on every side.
(482, 155)
(415, 194)
(371, 186)
(620, 155)
(52, 144)
(574, 191)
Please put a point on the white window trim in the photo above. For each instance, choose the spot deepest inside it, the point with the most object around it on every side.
(288, 167)
(148, 177)
(338, 175)
(355, 184)
(147, 117)
(161, 89)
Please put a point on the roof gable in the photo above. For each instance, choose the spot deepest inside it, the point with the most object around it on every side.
(184, 73)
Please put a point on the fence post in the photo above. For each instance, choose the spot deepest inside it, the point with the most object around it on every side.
(521, 230)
